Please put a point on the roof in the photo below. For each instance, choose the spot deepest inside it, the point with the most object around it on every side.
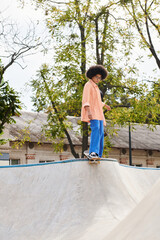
(142, 136)
(31, 124)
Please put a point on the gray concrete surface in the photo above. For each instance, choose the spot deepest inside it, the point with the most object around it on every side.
(79, 201)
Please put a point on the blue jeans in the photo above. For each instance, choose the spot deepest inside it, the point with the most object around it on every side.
(97, 137)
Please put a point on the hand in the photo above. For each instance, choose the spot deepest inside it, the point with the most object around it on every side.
(107, 107)
(90, 116)
(89, 112)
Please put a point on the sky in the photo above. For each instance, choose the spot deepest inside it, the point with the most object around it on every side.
(18, 77)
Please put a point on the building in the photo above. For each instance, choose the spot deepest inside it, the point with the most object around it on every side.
(27, 143)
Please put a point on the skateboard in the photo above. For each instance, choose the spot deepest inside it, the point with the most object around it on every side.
(93, 160)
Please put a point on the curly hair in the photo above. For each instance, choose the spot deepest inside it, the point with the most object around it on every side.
(96, 69)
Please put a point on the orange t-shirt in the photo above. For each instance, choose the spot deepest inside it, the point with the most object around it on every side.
(92, 98)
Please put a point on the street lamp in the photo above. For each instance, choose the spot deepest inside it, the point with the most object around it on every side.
(130, 148)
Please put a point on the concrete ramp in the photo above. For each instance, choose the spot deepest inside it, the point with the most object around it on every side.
(143, 222)
(70, 200)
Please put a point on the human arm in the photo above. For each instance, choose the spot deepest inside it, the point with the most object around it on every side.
(88, 112)
(86, 100)
(107, 107)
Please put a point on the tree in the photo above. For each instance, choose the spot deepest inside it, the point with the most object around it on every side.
(72, 67)
(83, 35)
(47, 97)
(144, 16)
(14, 47)
(75, 29)
(9, 105)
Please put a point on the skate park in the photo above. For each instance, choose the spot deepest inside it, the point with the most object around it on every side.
(48, 195)
(73, 199)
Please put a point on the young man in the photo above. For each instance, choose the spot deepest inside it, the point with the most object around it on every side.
(92, 110)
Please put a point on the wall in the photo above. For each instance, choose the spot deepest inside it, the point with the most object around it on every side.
(143, 158)
(34, 153)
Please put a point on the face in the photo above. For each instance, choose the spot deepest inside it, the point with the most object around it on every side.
(96, 79)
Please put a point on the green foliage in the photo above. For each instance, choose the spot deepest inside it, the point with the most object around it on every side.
(49, 97)
(23, 137)
(144, 17)
(144, 108)
(85, 33)
(9, 105)
(3, 141)
(125, 1)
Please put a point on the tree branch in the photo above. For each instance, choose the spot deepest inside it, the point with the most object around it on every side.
(146, 14)
(87, 9)
(138, 27)
(97, 41)
(152, 49)
(76, 155)
(104, 36)
(16, 46)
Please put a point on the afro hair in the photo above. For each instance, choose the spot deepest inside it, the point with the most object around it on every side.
(96, 69)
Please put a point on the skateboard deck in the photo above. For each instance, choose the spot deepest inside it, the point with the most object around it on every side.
(93, 160)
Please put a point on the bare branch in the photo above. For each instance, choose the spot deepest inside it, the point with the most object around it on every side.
(23, 67)
(15, 46)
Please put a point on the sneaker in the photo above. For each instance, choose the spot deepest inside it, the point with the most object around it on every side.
(93, 156)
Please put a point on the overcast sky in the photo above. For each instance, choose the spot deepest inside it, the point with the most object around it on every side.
(15, 74)
(18, 77)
